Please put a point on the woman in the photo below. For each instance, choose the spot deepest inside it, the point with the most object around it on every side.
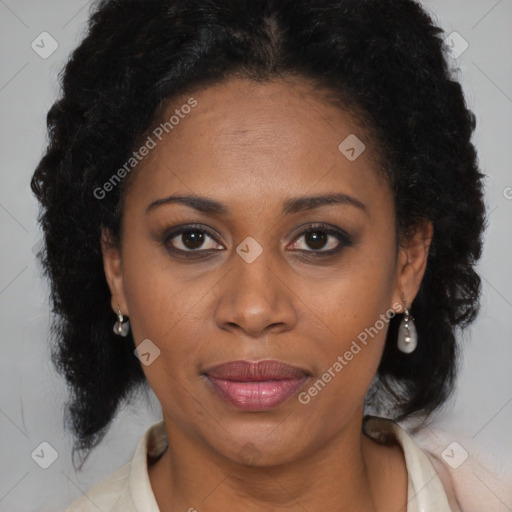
(269, 213)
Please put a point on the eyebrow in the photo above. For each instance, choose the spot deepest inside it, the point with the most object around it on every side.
(291, 205)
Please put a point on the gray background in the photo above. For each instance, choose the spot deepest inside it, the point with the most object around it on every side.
(32, 396)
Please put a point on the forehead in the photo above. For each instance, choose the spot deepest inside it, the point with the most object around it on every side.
(248, 144)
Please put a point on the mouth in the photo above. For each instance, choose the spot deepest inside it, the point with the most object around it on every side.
(256, 385)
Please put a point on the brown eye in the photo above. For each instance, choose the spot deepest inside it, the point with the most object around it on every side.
(323, 240)
(191, 239)
(316, 239)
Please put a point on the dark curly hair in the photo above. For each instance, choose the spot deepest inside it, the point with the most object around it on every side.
(381, 61)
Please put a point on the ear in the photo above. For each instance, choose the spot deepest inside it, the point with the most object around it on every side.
(113, 271)
(411, 264)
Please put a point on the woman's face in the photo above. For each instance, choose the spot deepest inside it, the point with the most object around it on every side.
(246, 280)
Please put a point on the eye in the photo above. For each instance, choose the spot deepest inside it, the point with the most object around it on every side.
(323, 240)
(191, 239)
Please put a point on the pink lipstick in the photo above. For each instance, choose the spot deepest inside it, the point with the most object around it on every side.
(256, 385)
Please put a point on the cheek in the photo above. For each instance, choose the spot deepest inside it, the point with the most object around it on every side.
(164, 307)
(355, 311)
(348, 363)
(165, 310)
(354, 298)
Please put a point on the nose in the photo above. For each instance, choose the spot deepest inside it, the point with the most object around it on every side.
(256, 299)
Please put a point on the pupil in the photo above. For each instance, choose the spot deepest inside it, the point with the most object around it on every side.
(316, 239)
(196, 238)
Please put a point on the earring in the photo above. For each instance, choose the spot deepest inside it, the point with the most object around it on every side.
(407, 334)
(121, 328)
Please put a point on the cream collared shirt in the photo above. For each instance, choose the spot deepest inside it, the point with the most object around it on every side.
(129, 489)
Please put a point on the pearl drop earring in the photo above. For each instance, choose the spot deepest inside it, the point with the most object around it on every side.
(407, 334)
(121, 328)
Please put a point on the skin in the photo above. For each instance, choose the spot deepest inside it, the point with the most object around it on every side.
(284, 306)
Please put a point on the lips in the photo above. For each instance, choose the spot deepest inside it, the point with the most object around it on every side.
(257, 385)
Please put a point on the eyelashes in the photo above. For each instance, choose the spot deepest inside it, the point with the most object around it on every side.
(340, 238)
(197, 241)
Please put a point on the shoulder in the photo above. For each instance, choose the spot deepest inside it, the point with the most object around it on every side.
(105, 494)
(128, 489)
(426, 489)
(472, 483)
(468, 484)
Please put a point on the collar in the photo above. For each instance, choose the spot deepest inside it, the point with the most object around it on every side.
(425, 490)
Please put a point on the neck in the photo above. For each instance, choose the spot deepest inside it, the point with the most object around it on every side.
(345, 474)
